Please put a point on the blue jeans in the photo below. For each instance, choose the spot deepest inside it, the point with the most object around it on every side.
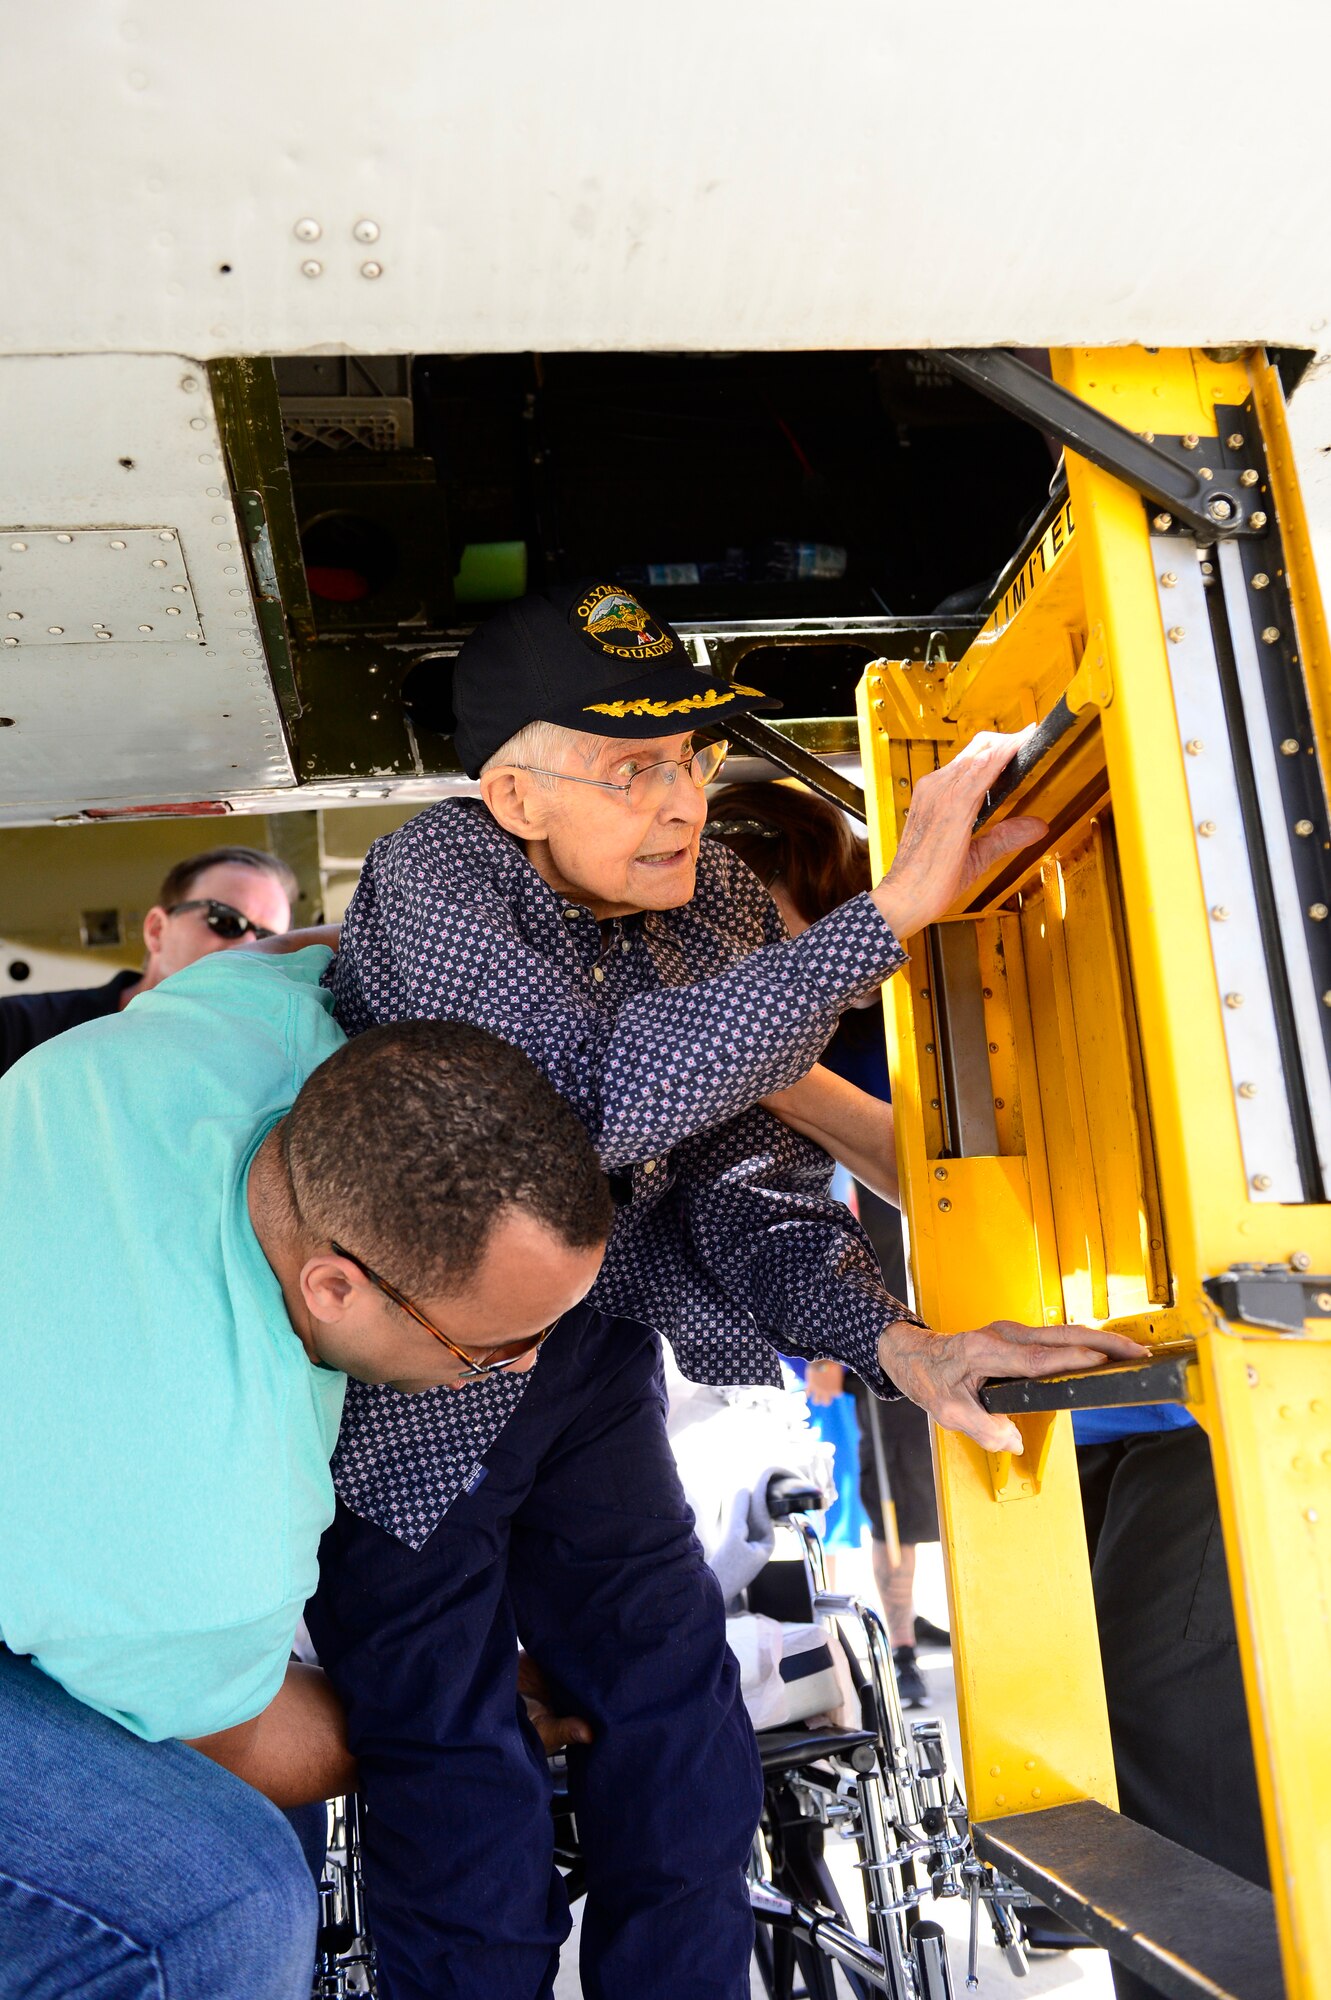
(131, 1870)
(579, 1542)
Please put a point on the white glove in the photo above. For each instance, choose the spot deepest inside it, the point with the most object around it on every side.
(746, 1543)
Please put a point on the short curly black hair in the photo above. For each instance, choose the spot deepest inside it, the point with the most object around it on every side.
(410, 1141)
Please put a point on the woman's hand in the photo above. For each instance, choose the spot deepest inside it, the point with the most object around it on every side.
(824, 1381)
(284, 941)
(939, 856)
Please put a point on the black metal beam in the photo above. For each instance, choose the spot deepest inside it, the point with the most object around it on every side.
(1162, 1379)
(1186, 1926)
(1214, 507)
(764, 741)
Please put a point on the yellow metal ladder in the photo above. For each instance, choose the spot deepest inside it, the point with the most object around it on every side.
(1113, 1099)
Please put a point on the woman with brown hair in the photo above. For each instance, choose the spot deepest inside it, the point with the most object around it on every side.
(800, 847)
(811, 861)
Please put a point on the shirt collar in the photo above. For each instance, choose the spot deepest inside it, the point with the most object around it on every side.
(495, 842)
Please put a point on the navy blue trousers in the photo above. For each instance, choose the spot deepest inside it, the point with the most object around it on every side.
(578, 1542)
(1170, 1649)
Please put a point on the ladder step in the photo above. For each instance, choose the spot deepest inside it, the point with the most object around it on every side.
(1190, 1928)
(1162, 1379)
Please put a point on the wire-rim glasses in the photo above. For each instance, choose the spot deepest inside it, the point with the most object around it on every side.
(651, 782)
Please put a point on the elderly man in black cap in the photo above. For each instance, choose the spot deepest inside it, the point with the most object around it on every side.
(572, 910)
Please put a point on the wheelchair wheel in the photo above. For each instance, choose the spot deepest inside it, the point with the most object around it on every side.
(780, 1959)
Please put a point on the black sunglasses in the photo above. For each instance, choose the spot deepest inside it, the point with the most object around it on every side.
(221, 919)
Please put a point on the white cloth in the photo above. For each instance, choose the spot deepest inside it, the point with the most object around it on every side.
(728, 1442)
(788, 1673)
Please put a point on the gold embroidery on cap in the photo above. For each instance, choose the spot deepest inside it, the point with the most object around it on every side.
(648, 705)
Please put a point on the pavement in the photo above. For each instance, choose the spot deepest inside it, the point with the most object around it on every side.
(1077, 1975)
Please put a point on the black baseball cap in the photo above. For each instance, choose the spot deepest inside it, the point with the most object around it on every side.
(588, 656)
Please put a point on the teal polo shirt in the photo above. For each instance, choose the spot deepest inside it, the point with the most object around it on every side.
(164, 1442)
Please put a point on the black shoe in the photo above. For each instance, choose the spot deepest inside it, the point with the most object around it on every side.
(1044, 1930)
(910, 1681)
(929, 1634)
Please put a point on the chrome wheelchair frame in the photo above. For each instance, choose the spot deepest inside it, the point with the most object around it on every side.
(344, 1951)
(888, 1788)
(885, 1786)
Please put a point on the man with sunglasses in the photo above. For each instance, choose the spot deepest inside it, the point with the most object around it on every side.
(216, 1210)
(572, 911)
(208, 902)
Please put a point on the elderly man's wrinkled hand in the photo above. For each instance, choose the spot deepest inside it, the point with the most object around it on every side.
(943, 1372)
(938, 856)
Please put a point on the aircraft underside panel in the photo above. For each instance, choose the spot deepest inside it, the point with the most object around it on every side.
(131, 667)
(259, 179)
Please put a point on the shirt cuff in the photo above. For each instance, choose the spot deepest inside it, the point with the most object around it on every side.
(846, 953)
(860, 1325)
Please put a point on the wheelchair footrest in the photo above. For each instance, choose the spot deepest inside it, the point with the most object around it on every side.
(787, 1749)
(1187, 1926)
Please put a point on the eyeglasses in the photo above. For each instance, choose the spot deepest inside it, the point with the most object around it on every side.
(499, 1357)
(650, 785)
(745, 829)
(736, 829)
(221, 919)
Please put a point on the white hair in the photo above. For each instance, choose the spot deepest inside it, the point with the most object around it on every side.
(545, 746)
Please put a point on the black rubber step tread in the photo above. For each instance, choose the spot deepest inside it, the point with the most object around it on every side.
(1163, 1379)
(1190, 1928)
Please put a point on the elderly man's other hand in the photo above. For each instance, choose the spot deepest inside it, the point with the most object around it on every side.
(942, 1372)
(939, 857)
(555, 1731)
(284, 941)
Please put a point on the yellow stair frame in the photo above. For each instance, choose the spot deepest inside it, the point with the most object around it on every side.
(1117, 1181)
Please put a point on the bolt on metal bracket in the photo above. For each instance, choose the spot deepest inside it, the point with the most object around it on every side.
(1215, 507)
(1269, 1295)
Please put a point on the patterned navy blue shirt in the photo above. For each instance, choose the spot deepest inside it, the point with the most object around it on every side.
(663, 1030)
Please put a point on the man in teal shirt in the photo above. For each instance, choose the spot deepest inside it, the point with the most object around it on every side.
(216, 1208)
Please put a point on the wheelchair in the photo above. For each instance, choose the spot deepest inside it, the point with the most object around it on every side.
(883, 1786)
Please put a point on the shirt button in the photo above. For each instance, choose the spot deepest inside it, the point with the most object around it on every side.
(649, 1166)
(570, 913)
(598, 973)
